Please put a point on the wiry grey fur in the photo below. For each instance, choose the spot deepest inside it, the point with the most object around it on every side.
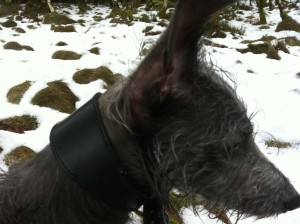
(174, 124)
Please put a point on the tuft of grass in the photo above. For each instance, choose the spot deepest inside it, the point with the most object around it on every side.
(97, 18)
(263, 38)
(61, 43)
(277, 144)
(162, 23)
(95, 50)
(122, 15)
(9, 23)
(19, 18)
(12, 45)
(179, 201)
(292, 41)
(66, 55)
(262, 48)
(281, 46)
(216, 28)
(63, 29)
(288, 23)
(165, 14)
(89, 75)
(19, 30)
(9, 9)
(1, 149)
(31, 27)
(27, 48)
(18, 155)
(57, 96)
(208, 42)
(148, 29)
(145, 18)
(58, 19)
(15, 94)
(153, 33)
(19, 124)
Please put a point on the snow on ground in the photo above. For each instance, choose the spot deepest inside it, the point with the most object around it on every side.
(269, 87)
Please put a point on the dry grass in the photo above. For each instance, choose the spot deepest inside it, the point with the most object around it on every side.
(19, 124)
(66, 55)
(86, 76)
(15, 94)
(18, 155)
(57, 96)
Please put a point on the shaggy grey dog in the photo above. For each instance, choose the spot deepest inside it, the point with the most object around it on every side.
(174, 124)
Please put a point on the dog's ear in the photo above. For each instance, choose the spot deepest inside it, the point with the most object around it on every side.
(167, 71)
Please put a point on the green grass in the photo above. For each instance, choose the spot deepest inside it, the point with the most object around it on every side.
(15, 94)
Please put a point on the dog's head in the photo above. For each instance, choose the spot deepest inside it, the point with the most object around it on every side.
(175, 123)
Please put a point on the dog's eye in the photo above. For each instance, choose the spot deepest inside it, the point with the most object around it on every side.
(237, 146)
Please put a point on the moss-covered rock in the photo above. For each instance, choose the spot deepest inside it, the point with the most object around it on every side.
(277, 144)
(16, 46)
(89, 75)
(288, 23)
(95, 50)
(19, 124)
(262, 48)
(66, 55)
(15, 94)
(18, 155)
(63, 29)
(57, 96)
(58, 19)
(9, 24)
(61, 43)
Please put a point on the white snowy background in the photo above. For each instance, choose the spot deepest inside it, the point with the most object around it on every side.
(272, 89)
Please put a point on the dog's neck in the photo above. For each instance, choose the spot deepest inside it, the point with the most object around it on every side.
(81, 145)
(119, 123)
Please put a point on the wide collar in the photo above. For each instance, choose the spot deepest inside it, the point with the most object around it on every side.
(82, 147)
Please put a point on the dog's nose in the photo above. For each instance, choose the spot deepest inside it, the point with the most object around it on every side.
(293, 204)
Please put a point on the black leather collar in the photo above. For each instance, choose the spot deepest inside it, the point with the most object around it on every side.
(81, 145)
